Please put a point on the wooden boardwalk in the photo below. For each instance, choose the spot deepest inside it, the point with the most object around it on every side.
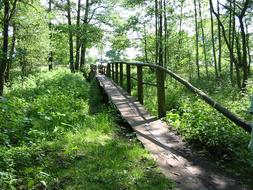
(173, 156)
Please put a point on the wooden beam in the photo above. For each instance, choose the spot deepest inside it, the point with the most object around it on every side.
(160, 76)
(139, 83)
(113, 73)
(117, 73)
(128, 73)
(121, 74)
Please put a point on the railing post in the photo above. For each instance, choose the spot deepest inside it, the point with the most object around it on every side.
(121, 74)
(116, 73)
(128, 73)
(113, 74)
(140, 84)
(108, 70)
(160, 76)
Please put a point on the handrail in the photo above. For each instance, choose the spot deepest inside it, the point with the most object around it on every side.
(220, 108)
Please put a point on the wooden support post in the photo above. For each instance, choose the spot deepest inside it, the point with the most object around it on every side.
(128, 73)
(121, 74)
(108, 70)
(140, 84)
(117, 73)
(113, 74)
(160, 76)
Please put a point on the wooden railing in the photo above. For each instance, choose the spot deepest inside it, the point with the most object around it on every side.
(114, 70)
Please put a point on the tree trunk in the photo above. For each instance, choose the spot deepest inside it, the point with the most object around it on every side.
(179, 45)
(203, 38)
(239, 61)
(160, 34)
(11, 53)
(244, 53)
(219, 38)
(50, 57)
(213, 44)
(3, 59)
(156, 33)
(145, 44)
(165, 34)
(77, 64)
(84, 40)
(248, 48)
(83, 54)
(71, 48)
(232, 37)
(197, 38)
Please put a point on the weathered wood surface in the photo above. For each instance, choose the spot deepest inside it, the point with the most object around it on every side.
(175, 158)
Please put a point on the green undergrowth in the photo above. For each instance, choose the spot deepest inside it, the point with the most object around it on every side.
(56, 134)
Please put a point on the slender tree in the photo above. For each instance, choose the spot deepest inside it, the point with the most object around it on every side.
(219, 38)
(84, 38)
(11, 52)
(217, 73)
(145, 43)
(78, 18)
(203, 38)
(50, 57)
(7, 15)
(156, 32)
(71, 45)
(180, 37)
(197, 38)
(165, 34)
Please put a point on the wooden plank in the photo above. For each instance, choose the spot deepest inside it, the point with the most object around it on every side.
(172, 154)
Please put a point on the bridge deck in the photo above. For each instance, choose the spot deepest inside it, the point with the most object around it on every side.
(172, 155)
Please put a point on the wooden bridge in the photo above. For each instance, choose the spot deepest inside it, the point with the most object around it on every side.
(175, 158)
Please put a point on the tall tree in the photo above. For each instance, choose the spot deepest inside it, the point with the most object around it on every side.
(217, 73)
(156, 32)
(8, 13)
(180, 33)
(197, 38)
(50, 57)
(77, 61)
(11, 52)
(70, 30)
(203, 38)
(84, 38)
(219, 37)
